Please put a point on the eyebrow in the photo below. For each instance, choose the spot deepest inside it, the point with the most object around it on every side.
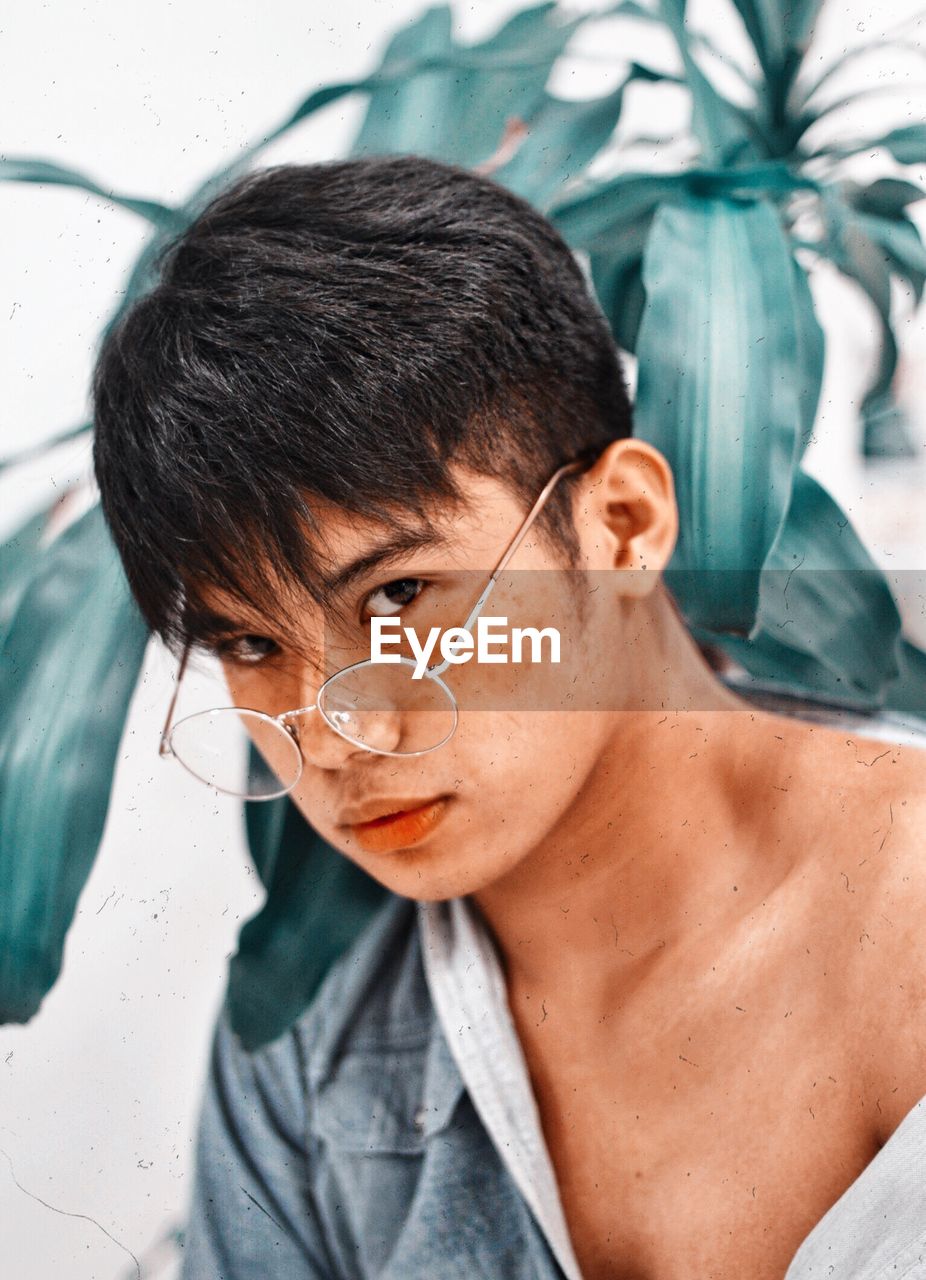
(209, 625)
(394, 548)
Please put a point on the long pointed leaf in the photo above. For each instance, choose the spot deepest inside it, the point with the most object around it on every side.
(68, 666)
(822, 594)
(906, 144)
(717, 123)
(858, 257)
(765, 28)
(458, 114)
(827, 627)
(18, 558)
(853, 55)
(721, 400)
(592, 219)
(884, 198)
(899, 238)
(811, 350)
(907, 694)
(563, 137)
(618, 279)
(317, 903)
(805, 121)
(780, 32)
(27, 169)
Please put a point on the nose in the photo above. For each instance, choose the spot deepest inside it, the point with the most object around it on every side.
(328, 747)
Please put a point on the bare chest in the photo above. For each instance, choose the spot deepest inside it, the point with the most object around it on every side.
(709, 1129)
(663, 1177)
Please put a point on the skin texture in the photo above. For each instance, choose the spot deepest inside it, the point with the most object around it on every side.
(687, 894)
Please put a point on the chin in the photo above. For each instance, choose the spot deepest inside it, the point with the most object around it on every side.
(427, 873)
(432, 857)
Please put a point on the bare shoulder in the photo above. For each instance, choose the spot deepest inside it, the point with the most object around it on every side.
(889, 806)
(868, 798)
(880, 847)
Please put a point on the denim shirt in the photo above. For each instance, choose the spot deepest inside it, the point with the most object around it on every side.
(353, 1147)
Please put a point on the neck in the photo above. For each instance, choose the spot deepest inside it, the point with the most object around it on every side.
(669, 840)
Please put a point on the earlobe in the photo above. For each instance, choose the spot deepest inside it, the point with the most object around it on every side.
(630, 498)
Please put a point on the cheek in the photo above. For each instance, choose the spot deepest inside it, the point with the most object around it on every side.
(586, 676)
(527, 765)
(514, 776)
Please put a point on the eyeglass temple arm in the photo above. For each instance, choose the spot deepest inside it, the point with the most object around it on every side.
(512, 548)
(163, 748)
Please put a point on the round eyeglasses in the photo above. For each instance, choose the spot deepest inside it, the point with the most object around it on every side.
(379, 707)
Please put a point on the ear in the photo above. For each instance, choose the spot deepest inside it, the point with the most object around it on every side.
(628, 514)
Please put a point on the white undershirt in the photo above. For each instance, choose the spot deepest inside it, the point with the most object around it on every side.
(468, 991)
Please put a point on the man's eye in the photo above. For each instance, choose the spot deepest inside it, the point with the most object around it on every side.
(246, 650)
(393, 597)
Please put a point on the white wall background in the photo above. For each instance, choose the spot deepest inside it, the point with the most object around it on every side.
(98, 1094)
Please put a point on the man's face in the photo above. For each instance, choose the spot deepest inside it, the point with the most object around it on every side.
(528, 736)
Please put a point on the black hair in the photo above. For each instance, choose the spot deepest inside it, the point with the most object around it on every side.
(341, 332)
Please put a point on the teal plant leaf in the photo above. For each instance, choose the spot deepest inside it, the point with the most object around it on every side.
(886, 197)
(717, 393)
(899, 240)
(723, 131)
(822, 594)
(775, 27)
(827, 625)
(26, 169)
(906, 144)
(457, 110)
(809, 91)
(69, 662)
(592, 219)
(857, 255)
(317, 903)
(907, 693)
(617, 276)
(611, 223)
(562, 139)
(19, 556)
(811, 346)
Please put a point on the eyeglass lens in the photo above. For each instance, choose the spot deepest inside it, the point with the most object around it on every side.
(380, 707)
(215, 746)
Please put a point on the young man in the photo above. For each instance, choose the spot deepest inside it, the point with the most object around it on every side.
(649, 999)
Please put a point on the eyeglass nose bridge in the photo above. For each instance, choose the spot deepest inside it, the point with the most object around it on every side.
(287, 720)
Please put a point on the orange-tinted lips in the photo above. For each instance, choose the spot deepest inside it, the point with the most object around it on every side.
(399, 830)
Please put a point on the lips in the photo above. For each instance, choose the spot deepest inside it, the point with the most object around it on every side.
(385, 826)
(374, 810)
